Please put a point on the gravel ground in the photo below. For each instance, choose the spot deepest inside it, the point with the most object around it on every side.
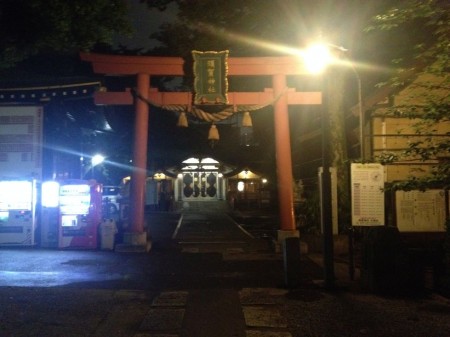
(315, 313)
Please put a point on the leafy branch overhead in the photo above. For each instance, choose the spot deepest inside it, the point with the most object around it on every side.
(29, 27)
(424, 97)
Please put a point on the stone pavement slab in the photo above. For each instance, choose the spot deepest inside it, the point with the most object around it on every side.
(264, 316)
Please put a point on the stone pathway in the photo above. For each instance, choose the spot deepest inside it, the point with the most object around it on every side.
(250, 312)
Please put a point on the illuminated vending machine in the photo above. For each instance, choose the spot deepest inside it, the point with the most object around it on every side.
(17, 212)
(49, 214)
(80, 214)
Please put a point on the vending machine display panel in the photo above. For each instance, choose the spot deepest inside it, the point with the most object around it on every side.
(75, 199)
(49, 214)
(17, 212)
(16, 195)
(80, 214)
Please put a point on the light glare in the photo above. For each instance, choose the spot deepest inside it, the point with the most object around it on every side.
(97, 159)
(316, 58)
(50, 194)
(240, 186)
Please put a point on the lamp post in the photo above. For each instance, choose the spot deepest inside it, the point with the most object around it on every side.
(96, 160)
(326, 202)
(361, 113)
(317, 58)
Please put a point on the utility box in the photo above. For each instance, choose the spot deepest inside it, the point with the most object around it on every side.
(108, 231)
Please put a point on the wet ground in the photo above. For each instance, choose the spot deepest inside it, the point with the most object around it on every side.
(206, 276)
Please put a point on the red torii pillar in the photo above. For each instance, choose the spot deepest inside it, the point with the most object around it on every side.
(137, 236)
(146, 66)
(283, 154)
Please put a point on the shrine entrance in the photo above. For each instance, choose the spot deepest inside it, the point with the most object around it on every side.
(279, 96)
(200, 180)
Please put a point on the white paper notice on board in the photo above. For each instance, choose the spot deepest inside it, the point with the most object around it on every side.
(419, 211)
(367, 183)
(21, 132)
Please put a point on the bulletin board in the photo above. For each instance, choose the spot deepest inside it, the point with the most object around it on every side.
(367, 184)
(418, 211)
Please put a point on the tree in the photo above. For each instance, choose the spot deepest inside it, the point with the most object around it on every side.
(426, 71)
(30, 27)
(427, 57)
(262, 27)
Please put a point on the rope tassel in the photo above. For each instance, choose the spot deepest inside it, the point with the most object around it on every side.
(213, 133)
(182, 120)
(247, 119)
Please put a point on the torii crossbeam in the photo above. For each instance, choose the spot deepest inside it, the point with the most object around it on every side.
(143, 67)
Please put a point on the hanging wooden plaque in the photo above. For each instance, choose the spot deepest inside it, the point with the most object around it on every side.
(210, 77)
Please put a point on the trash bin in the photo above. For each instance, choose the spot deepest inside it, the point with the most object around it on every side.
(108, 231)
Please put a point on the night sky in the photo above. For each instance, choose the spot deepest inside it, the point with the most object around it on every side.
(344, 20)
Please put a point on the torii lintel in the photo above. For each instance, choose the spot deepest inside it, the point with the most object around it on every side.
(185, 98)
(174, 66)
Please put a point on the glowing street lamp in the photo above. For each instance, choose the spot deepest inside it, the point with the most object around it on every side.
(317, 57)
(97, 159)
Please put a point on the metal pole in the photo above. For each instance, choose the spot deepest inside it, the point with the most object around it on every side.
(326, 216)
(361, 113)
(360, 108)
(351, 265)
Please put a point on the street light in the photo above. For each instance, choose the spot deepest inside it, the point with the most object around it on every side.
(96, 160)
(361, 113)
(316, 59)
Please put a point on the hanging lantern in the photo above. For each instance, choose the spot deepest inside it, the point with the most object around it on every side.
(182, 120)
(213, 134)
(247, 119)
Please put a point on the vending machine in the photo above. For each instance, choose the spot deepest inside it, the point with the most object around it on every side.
(80, 214)
(17, 212)
(49, 223)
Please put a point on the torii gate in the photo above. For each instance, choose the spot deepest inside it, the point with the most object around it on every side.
(143, 67)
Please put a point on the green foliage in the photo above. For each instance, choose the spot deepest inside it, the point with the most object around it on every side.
(429, 55)
(29, 27)
(308, 213)
(213, 25)
(260, 27)
(432, 16)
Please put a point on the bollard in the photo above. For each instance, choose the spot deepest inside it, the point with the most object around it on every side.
(291, 256)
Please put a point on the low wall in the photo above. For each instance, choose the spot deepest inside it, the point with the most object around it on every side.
(315, 243)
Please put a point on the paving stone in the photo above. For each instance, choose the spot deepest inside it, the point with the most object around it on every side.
(163, 319)
(263, 316)
(190, 250)
(154, 335)
(171, 299)
(255, 296)
(250, 256)
(131, 295)
(259, 333)
(235, 250)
